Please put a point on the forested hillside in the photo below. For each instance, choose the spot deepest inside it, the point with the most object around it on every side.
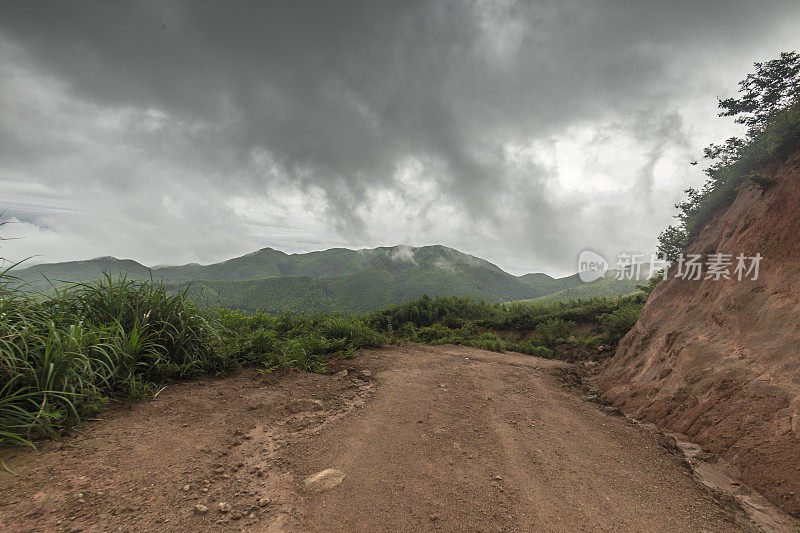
(338, 279)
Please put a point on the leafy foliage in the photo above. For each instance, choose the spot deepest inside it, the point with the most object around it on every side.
(672, 242)
(758, 181)
(292, 340)
(773, 87)
(553, 329)
(620, 321)
(463, 320)
(770, 108)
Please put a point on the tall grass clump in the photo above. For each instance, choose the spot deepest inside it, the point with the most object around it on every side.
(160, 334)
(63, 357)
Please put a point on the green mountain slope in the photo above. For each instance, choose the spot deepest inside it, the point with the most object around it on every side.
(330, 280)
(264, 263)
(572, 288)
(43, 277)
(601, 287)
(379, 277)
(536, 279)
(301, 294)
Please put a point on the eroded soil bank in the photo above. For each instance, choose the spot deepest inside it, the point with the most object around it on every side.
(719, 360)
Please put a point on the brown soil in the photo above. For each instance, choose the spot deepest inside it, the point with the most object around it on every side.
(718, 360)
(429, 438)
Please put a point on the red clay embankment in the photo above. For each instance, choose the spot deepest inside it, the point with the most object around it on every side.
(720, 360)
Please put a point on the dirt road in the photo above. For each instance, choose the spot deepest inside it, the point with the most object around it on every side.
(421, 438)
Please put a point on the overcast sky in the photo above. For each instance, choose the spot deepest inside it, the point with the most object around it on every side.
(521, 132)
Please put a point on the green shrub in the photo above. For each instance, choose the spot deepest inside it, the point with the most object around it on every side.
(552, 330)
(672, 242)
(757, 181)
(530, 348)
(435, 333)
(541, 351)
(292, 340)
(617, 323)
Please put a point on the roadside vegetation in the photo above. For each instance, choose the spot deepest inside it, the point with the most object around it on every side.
(66, 354)
(63, 357)
(530, 328)
(769, 107)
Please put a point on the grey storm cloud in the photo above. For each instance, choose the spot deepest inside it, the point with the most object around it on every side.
(197, 103)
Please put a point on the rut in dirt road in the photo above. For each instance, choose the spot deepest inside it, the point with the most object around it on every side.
(419, 438)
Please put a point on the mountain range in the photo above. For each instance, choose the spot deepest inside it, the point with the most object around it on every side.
(338, 279)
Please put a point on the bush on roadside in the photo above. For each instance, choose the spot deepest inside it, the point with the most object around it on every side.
(552, 330)
(292, 340)
(619, 322)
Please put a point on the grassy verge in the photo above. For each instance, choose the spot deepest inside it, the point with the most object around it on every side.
(63, 357)
(67, 354)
